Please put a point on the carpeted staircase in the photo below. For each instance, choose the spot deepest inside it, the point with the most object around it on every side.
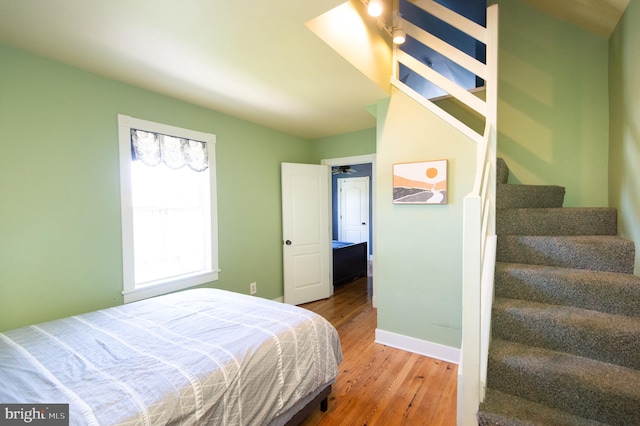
(565, 346)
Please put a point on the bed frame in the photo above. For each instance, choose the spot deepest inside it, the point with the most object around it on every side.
(111, 351)
(321, 398)
(349, 261)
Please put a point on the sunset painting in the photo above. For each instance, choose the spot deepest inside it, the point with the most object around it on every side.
(420, 183)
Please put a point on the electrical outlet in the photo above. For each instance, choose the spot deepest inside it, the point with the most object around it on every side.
(253, 288)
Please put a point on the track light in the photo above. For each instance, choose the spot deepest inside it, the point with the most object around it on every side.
(374, 8)
(399, 36)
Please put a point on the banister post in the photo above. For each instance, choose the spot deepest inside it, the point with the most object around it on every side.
(469, 373)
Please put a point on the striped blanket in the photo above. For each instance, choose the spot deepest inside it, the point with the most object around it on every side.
(201, 356)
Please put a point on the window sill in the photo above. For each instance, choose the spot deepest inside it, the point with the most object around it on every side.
(159, 288)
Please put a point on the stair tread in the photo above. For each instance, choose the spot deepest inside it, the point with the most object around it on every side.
(579, 238)
(593, 252)
(602, 336)
(601, 320)
(504, 409)
(625, 381)
(593, 389)
(559, 209)
(546, 269)
(610, 292)
(556, 221)
(525, 185)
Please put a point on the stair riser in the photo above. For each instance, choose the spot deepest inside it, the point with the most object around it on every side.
(502, 171)
(557, 221)
(554, 387)
(586, 334)
(611, 293)
(607, 254)
(503, 409)
(528, 196)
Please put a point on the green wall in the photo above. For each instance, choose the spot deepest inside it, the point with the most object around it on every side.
(60, 215)
(553, 129)
(624, 143)
(553, 103)
(417, 254)
(351, 144)
(60, 244)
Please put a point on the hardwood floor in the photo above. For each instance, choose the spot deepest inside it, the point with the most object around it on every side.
(377, 384)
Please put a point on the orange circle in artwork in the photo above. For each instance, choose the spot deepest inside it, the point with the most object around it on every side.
(432, 172)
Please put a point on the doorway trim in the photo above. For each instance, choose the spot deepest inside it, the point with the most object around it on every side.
(361, 159)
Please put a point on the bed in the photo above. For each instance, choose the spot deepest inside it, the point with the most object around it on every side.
(349, 261)
(200, 356)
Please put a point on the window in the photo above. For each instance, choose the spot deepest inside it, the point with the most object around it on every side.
(169, 209)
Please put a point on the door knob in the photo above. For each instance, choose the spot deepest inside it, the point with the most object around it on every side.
(364, 223)
(288, 242)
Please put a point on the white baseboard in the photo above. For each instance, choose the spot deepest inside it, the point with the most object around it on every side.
(421, 347)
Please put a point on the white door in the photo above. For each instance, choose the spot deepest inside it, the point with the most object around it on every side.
(353, 209)
(306, 232)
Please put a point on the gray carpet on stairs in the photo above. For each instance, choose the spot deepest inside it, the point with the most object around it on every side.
(580, 386)
(504, 409)
(532, 196)
(595, 252)
(567, 329)
(565, 346)
(608, 292)
(557, 221)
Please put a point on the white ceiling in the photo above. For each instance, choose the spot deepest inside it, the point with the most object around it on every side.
(597, 16)
(253, 59)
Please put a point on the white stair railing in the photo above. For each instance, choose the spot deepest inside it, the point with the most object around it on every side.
(487, 36)
(479, 239)
(478, 258)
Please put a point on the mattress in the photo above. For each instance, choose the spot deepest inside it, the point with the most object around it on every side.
(201, 356)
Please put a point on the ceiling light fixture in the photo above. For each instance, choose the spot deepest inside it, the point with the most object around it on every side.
(399, 36)
(374, 8)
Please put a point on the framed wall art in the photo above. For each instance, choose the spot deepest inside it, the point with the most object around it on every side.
(423, 182)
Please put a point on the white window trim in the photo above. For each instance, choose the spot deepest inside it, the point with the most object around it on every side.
(129, 290)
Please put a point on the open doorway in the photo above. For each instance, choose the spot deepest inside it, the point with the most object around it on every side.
(346, 168)
(353, 209)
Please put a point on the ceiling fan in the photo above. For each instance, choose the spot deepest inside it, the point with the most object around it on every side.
(343, 170)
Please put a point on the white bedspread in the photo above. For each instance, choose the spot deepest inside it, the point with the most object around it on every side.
(200, 356)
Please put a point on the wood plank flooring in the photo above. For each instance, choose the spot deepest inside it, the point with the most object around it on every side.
(377, 384)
